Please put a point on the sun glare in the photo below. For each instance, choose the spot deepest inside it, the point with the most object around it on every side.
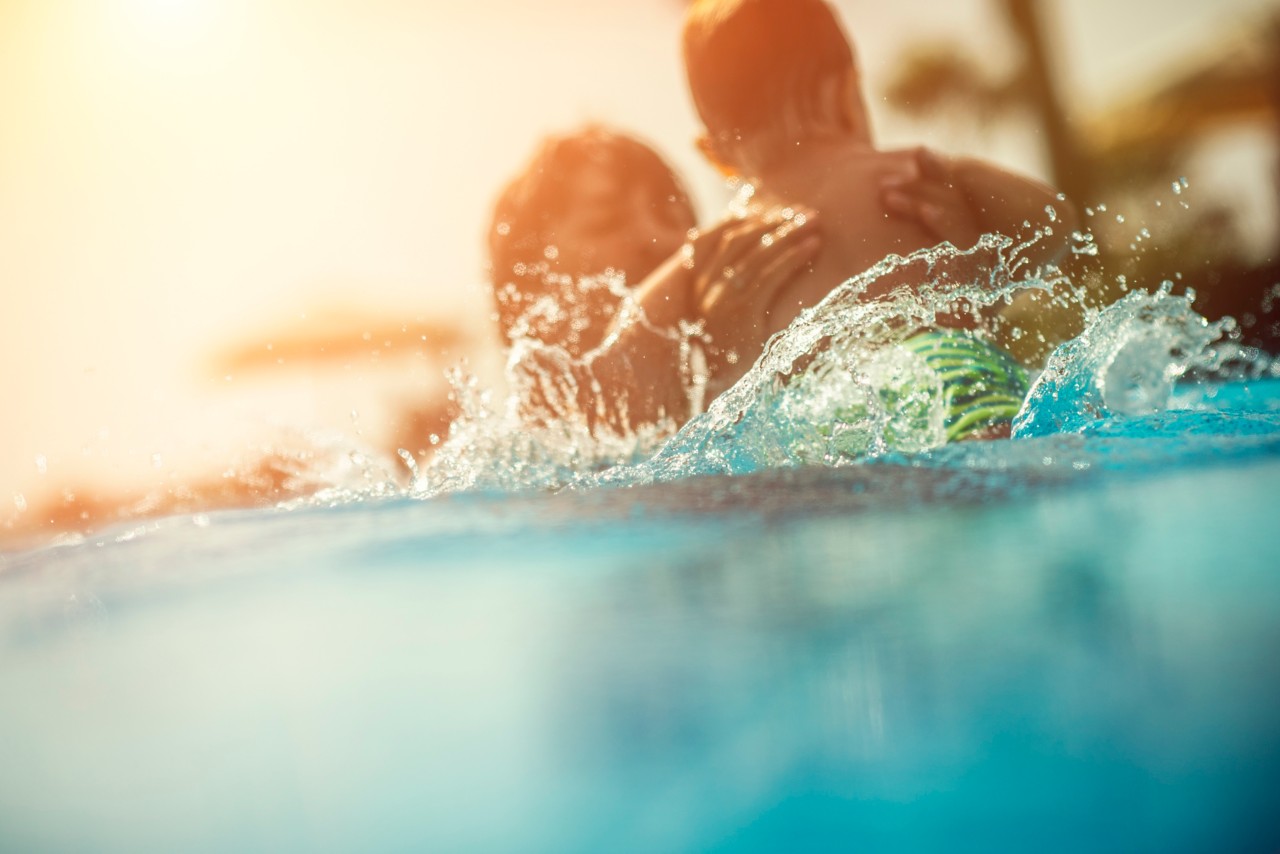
(165, 19)
(162, 11)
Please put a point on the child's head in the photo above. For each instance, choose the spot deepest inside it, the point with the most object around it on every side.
(588, 202)
(769, 73)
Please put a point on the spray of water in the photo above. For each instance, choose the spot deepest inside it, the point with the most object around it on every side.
(1124, 364)
(817, 395)
(832, 389)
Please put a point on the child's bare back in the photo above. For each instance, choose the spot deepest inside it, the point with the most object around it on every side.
(858, 230)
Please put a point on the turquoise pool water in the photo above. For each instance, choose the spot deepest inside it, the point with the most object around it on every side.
(1061, 642)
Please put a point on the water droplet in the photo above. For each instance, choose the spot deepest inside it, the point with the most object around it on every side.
(42, 464)
(409, 461)
(20, 501)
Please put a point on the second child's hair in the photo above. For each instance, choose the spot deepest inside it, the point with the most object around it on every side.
(530, 207)
(537, 198)
(750, 63)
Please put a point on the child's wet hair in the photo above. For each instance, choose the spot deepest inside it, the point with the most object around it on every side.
(529, 208)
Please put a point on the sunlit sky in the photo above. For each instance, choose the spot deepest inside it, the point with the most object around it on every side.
(177, 176)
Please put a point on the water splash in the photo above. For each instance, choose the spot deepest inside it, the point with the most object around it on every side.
(832, 389)
(1124, 364)
(499, 444)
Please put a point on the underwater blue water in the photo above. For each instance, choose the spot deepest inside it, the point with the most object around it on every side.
(1061, 642)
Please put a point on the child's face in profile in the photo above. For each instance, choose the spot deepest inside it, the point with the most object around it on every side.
(611, 222)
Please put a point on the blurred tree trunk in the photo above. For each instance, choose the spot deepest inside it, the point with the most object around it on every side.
(1072, 172)
(1274, 62)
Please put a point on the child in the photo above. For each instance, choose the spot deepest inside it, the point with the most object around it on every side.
(777, 89)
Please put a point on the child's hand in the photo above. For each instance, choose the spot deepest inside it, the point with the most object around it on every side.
(739, 267)
(931, 195)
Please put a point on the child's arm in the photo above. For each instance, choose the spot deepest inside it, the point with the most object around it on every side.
(1017, 206)
(960, 199)
(736, 305)
(723, 277)
(730, 271)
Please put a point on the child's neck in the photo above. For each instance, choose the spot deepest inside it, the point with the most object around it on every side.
(803, 166)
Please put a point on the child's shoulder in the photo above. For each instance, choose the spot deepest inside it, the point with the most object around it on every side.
(915, 159)
(866, 163)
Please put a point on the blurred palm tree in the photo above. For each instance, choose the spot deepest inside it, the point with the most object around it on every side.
(941, 77)
(1140, 141)
(1151, 132)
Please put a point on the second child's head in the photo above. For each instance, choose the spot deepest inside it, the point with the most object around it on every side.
(769, 75)
(588, 202)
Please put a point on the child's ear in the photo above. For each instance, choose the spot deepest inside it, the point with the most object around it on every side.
(707, 146)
